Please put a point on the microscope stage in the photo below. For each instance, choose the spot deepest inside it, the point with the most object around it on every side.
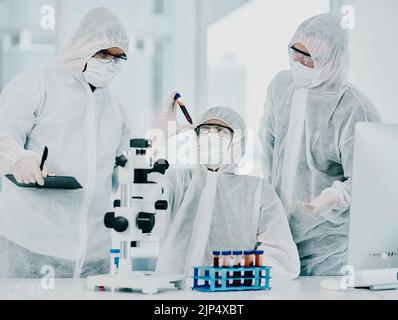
(148, 282)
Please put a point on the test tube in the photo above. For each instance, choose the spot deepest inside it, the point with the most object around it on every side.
(216, 264)
(248, 264)
(184, 110)
(230, 265)
(258, 255)
(216, 259)
(258, 258)
(226, 262)
(237, 264)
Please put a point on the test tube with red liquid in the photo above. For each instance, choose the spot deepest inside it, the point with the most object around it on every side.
(249, 262)
(216, 264)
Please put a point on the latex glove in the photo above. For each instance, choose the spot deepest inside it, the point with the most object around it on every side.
(27, 170)
(327, 200)
(167, 119)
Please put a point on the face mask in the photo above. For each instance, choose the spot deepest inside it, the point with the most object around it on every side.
(214, 150)
(302, 76)
(100, 73)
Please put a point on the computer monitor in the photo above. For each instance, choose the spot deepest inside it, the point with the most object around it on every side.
(373, 235)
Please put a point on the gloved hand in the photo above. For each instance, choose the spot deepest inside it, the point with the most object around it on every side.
(27, 170)
(167, 119)
(327, 200)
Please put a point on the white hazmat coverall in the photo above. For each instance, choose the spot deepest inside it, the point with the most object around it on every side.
(224, 211)
(84, 131)
(307, 134)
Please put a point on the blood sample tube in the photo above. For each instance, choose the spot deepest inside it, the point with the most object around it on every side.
(230, 265)
(237, 264)
(258, 258)
(216, 264)
(216, 259)
(248, 264)
(184, 110)
(226, 263)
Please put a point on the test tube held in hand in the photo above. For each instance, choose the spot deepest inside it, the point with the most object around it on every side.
(177, 98)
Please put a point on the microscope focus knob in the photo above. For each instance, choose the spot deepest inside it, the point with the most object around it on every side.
(160, 166)
(161, 205)
(121, 161)
(145, 221)
(119, 224)
(108, 219)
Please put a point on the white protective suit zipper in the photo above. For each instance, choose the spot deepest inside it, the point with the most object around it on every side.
(90, 184)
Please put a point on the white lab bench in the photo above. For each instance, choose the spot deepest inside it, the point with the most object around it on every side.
(304, 288)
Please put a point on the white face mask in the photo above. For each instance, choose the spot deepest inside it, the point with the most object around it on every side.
(100, 73)
(214, 150)
(302, 76)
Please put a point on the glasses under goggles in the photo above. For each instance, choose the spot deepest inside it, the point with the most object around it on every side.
(221, 130)
(301, 56)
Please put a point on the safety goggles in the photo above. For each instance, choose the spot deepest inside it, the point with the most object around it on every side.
(106, 55)
(301, 56)
(221, 130)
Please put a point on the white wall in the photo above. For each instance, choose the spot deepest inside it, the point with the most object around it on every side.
(374, 48)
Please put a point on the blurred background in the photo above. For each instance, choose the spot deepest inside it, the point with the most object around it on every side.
(214, 52)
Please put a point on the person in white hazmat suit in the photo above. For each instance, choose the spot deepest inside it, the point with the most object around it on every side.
(213, 208)
(307, 134)
(68, 107)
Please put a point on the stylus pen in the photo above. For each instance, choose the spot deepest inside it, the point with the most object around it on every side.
(184, 110)
(43, 158)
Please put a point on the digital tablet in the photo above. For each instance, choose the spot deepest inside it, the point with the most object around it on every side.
(50, 182)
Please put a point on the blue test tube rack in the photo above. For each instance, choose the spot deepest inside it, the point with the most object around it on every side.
(216, 279)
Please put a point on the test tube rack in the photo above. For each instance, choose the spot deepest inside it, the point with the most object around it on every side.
(216, 279)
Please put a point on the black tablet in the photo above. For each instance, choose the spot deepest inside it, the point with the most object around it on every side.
(50, 182)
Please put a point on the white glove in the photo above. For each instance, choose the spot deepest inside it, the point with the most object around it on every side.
(327, 200)
(167, 119)
(27, 170)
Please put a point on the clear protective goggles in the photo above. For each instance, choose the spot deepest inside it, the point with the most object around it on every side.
(300, 56)
(108, 57)
(222, 131)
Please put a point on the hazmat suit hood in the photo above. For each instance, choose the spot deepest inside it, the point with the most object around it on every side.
(100, 29)
(233, 120)
(327, 42)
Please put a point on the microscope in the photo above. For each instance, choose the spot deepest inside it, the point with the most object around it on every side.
(133, 221)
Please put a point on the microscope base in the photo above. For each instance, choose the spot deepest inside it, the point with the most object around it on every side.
(147, 282)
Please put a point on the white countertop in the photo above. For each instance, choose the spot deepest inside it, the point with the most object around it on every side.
(305, 288)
